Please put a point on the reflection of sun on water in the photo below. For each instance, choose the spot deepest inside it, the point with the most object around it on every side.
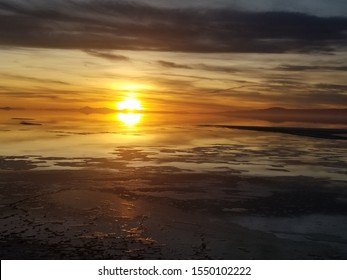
(131, 105)
(129, 119)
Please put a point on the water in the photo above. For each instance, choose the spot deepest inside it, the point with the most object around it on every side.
(167, 186)
(57, 140)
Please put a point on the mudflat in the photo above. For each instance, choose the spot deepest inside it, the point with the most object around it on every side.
(136, 214)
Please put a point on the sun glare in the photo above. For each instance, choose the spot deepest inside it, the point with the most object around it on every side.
(131, 87)
(129, 104)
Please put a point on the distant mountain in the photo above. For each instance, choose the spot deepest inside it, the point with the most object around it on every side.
(89, 110)
(6, 108)
(273, 109)
(280, 110)
(279, 114)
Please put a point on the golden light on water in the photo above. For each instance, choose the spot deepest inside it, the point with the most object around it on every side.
(129, 119)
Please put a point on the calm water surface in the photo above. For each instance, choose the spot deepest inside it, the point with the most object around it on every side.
(70, 140)
(144, 186)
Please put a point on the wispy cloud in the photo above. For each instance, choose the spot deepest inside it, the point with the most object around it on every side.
(200, 66)
(107, 55)
(169, 64)
(289, 67)
(32, 79)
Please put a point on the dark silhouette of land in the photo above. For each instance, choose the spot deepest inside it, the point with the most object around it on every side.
(29, 123)
(6, 108)
(89, 110)
(324, 133)
(279, 115)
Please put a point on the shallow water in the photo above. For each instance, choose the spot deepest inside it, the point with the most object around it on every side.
(74, 141)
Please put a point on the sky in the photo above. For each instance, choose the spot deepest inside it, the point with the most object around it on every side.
(173, 55)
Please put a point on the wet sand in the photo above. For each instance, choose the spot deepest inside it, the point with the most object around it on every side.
(137, 214)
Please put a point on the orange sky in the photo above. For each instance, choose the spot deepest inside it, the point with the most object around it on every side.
(163, 81)
(196, 56)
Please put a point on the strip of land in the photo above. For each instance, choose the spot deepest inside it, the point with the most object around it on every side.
(324, 133)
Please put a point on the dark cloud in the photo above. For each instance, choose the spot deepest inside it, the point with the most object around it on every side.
(292, 99)
(215, 68)
(315, 7)
(169, 64)
(195, 77)
(107, 55)
(278, 90)
(333, 87)
(322, 98)
(200, 66)
(293, 86)
(123, 25)
(312, 68)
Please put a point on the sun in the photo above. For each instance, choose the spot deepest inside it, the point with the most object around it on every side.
(129, 104)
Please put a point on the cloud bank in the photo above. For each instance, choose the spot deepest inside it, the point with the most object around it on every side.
(122, 25)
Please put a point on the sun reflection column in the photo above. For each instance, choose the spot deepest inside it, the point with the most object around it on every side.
(130, 108)
(129, 119)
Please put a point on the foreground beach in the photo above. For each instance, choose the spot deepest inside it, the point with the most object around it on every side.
(170, 215)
